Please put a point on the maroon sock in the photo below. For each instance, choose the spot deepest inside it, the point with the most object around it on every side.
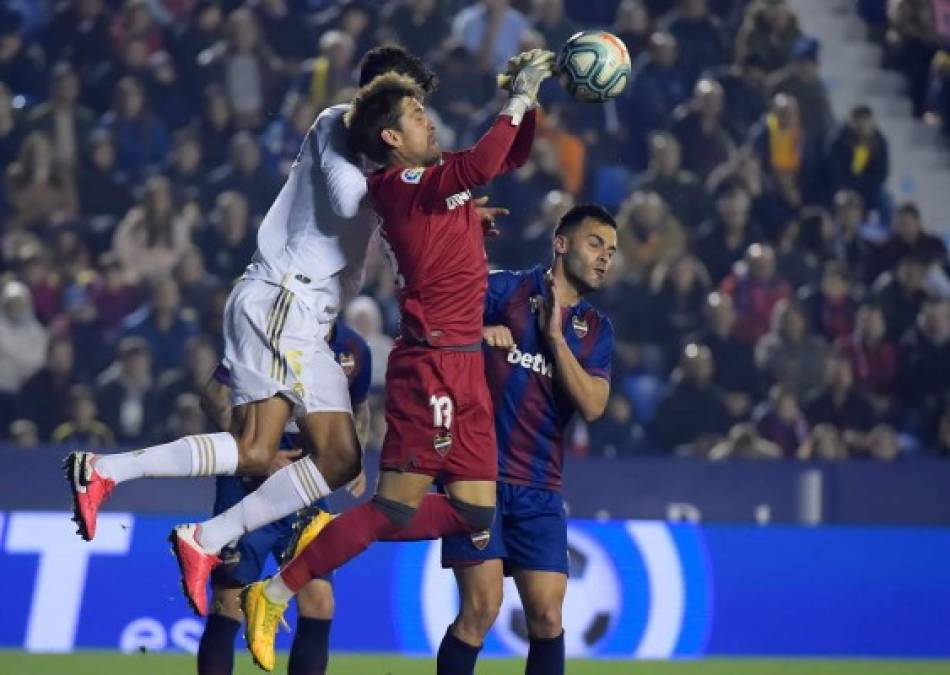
(343, 539)
(434, 518)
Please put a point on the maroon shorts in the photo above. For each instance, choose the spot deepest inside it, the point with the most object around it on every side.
(439, 418)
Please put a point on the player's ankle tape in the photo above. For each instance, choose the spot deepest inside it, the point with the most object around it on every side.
(398, 513)
(479, 517)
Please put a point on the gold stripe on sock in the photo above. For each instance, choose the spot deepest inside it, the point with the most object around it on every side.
(310, 485)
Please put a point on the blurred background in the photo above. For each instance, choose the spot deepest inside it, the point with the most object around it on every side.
(781, 299)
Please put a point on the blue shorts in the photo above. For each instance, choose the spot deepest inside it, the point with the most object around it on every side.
(529, 533)
(244, 562)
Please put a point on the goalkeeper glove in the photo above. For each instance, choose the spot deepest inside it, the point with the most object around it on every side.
(528, 71)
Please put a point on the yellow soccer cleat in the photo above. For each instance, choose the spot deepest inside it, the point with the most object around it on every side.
(308, 528)
(261, 618)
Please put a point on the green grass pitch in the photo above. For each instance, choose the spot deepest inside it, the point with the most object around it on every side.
(110, 663)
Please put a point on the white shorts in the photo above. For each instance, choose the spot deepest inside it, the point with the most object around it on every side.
(274, 343)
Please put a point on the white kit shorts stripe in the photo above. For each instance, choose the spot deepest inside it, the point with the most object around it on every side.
(275, 344)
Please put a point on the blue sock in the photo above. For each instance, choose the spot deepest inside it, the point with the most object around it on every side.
(310, 652)
(456, 657)
(216, 649)
(545, 656)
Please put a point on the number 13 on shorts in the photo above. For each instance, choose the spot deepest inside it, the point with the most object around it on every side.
(441, 411)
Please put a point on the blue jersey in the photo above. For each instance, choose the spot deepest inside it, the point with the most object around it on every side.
(531, 411)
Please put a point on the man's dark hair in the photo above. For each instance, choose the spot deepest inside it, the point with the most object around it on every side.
(909, 209)
(378, 106)
(391, 59)
(578, 214)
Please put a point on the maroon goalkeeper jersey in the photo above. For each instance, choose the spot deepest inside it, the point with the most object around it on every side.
(433, 237)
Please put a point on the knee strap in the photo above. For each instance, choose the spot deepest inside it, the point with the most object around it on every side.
(398, 513)
(479, 517)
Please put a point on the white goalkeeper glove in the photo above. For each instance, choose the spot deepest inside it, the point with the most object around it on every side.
(526, 72)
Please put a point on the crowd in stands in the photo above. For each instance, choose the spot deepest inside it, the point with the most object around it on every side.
(770, 297)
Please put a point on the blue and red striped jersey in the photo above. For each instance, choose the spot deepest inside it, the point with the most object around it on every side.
(531, 410)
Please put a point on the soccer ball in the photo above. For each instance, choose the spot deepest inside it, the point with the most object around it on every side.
(594, 66)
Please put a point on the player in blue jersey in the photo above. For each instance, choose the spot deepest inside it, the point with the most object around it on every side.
(548, 354)
(243, 562)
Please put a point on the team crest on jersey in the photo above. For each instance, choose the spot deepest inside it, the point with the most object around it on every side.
(535, 303)
(442, 442)
(412, 176)
(480, 539)
(347, 362)
(579, 325)
(299, 389)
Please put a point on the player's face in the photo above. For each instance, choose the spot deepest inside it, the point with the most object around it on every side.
(417, 132)
(588, 254)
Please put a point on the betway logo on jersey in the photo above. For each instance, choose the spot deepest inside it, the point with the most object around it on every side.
(457, 200)
(533, 362)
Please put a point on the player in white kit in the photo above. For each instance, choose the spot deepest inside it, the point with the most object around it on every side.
(311, 248)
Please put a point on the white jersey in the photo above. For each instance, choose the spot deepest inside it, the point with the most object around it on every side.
(321, 223)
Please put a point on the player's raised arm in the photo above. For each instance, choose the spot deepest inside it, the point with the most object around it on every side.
(339, 165)
(388, 124)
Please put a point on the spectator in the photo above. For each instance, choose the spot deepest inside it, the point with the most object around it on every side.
(722, 240)
(874, 358)
(33, 266)
(12, 131)
(82, 429)
(859, 157)
(135, 22)
(491, 31)
(658, 84)
(21, 62)
(700, 37)
(186, 418)
(244, 63)
(172, 103)
(66, 123)
(103, 190)
(739, 379)
(650, 235)
(321, 79)
(632, 25)
(283, 29)
(283, 138)
(551, 21)
(230, 241)
(790, 156)
(901, 294)
(216, 128)
(915, 40)
(691, 418)
(39, 191)
(925, 367)
(841, 406)
(141, 139)
(699, 126)
(44, 397)
(744, 442)
(678, 291)
(850, 245)
(412, 25)
(152, 236)
(801, 80)
(909, 238)
(679, 189)
(769, 32)
(789, 354)
(197, 286)
(79, 34)
(196, 37)
(938, 91)
(115, 294)
(164, 324)
(744, 91)
(362, 314)
(782, 422)
(244, 173)
(755, 289)
(617, 433)
(770, 213)
(200, 360)
(184, 168)
(22, 345)
(23, 434)
(128, 403)
(833, 304)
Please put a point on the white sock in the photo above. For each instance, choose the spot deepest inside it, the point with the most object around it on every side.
(202, 455)
(276, 590)
(286, 491)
